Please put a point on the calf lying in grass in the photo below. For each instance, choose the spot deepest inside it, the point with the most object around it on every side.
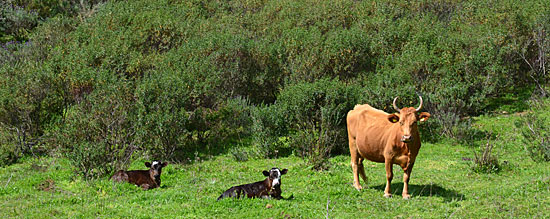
(271, 186)
(146, 179)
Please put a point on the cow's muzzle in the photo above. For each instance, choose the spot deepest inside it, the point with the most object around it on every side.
(406, 138)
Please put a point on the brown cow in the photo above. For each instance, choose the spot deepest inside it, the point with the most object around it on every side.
(384, 138)
(146, 179)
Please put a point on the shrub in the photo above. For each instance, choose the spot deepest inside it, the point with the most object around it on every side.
(534, 127)
(239, 154)
(315, 142)
(10, 150)
(268, 125)
(161, 116)
(486, 161)
(98, 135)
(30, 101)
(303, 109)
(15, 22)
(200, 70)
(172, 125)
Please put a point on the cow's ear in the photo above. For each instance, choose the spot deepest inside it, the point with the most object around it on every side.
(393, 118)
(164, 164)
(147, 164)
(283, 172)
(266, 173)
(424, 116)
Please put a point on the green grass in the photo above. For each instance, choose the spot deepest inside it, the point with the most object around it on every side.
(442, 185)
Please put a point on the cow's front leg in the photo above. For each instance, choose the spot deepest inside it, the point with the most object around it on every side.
(406, 177)
(145, 186)
(389, 177)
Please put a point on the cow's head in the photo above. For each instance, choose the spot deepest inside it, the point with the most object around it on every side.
(155, 168)
(275, 175)
(407, 118)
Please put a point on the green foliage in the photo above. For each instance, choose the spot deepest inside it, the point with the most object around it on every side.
(534, 127)
(52, 8)
(30, 100)
(314, 144)
(203, 73)
(10, 150)
(312, 115)
(15, 22)
(268, 125)
(99, 133)
(486, 161)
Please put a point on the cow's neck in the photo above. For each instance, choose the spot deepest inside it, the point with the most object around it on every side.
(268, 183)
(156, 180)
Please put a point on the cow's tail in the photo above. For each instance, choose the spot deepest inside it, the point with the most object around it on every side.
(221, 196)
(230, 193)
(225, 194)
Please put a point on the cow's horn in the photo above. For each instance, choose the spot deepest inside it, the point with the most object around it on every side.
(419, 107)
(394, 106)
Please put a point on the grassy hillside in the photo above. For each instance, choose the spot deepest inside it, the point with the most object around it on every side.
(226, 89)
(442, 184)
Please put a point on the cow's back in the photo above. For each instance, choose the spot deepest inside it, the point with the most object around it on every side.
(362, 116)
(120, 176)
(370, 129)
(140, 177)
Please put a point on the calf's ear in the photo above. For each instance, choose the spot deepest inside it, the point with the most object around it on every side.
(283, 172)
(393, 118)
(266, 173)
(424, 116)
(147, 164)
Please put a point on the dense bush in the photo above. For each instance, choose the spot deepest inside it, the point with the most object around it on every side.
(18, 18)
(99, 134)
(15, 22)
(534, 127)
(268, 127)
(311, 116)
(199, 74)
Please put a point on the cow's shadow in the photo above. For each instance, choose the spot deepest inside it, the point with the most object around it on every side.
(427, 190)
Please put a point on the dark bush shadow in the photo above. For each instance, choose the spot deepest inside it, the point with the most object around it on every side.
(427, 190)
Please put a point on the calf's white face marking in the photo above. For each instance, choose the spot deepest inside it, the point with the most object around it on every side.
(155, 163)
(277, 176)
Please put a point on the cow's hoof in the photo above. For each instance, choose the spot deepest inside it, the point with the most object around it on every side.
(358, 188)
(387, 195)
(406, 197)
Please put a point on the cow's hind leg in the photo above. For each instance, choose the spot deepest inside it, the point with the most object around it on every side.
(354, 162)
(389, 177)
(361, 169)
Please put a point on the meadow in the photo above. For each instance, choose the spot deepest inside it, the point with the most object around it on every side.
(443, 185)
(223, 90)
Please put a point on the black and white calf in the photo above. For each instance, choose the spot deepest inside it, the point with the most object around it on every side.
(146, 179)
(270, 187)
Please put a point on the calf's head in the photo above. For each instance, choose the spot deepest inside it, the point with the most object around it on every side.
(155, 168)
(407, 118)
(275, 175)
